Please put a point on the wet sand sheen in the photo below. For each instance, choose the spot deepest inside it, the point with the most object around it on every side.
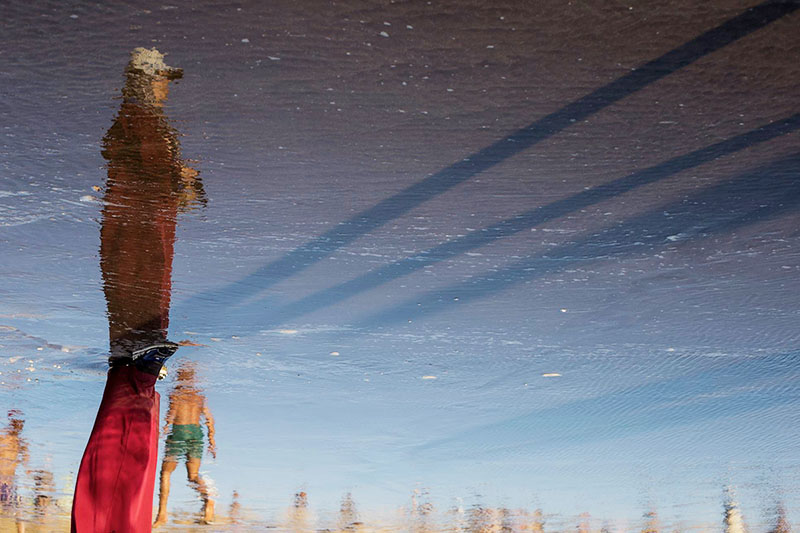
(445, 249)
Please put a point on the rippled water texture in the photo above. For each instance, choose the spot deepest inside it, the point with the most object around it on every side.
(479, 266)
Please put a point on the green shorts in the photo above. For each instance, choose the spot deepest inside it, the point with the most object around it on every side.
(185, 439)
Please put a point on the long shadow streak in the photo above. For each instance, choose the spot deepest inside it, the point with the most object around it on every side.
(720, 390)
(531, 218)
(759, 194)
(393, 207)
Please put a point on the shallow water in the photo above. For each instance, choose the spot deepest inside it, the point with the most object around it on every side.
(455, 258)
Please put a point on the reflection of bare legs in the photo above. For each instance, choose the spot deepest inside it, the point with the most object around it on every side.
(193, 473)
(167, 468)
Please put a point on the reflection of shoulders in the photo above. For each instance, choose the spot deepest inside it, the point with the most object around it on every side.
(136, 124)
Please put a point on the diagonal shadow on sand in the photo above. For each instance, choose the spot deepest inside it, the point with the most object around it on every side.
(531, 218)
(759, 194)
(398, 204)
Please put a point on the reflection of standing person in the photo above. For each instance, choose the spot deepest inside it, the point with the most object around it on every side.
(732, 519)
(147, 184)
(43, 488)
(235, 510)
(186, 406)
(299, 519)
(13, 452)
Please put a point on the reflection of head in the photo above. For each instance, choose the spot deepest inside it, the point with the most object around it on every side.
(186, 372)
(15, 421)
(301, 500)
(148, 76)
(150, 62)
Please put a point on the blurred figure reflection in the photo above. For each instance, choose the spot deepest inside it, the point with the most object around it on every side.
(235, 510)
(299, 519)
(43, 488)
(732, 520)
(536, 524)
(147, 185)
(781, 523)
(348, 516)
(584, 526)
(651, 524)
(482, 519)
(186, 407)
(13, 452)
(420, 512)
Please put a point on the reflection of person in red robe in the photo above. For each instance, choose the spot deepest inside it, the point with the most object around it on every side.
(147, 185)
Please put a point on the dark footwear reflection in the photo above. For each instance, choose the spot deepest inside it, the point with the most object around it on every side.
(147, 185)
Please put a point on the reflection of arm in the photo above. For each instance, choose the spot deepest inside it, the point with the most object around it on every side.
(170, 416)
(212, 443)
(23, 453)
(192, 192)
(188, 174)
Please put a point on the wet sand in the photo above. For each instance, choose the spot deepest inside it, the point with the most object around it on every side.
(401, 184)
